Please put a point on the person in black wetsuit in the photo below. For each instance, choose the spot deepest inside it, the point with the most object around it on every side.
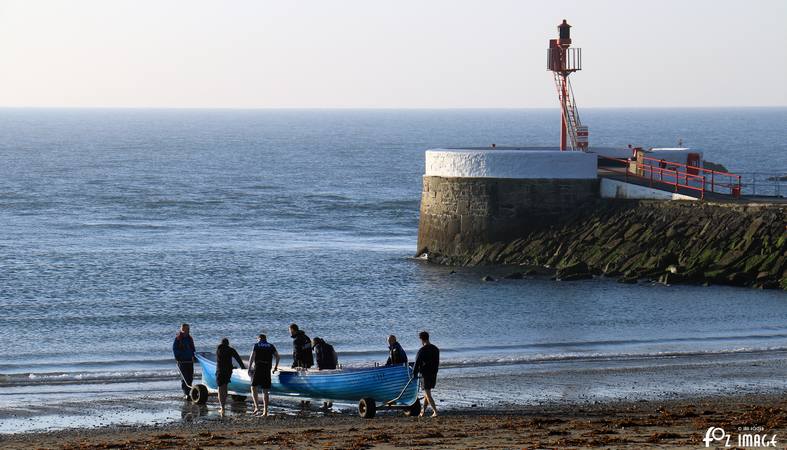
(427, 362)
(224, 356)
(183, 349)
(325, 355)
(260, 363)
(396, 354)
(301, 348)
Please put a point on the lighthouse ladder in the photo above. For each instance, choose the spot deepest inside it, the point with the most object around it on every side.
(571, 116)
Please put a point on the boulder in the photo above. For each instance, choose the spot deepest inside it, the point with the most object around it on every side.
(576, 271)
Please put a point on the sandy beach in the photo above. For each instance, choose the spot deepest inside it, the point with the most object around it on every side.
(641, 424)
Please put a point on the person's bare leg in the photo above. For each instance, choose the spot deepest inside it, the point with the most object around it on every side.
(426, 403)
(254, 399)
(430, 401)
(222, 397)
(265, 400)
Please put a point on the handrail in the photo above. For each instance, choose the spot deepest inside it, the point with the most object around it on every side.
(641, 167)
(701, 169)
(734, 184)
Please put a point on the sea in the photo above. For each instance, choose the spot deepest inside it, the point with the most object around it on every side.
(117, 225)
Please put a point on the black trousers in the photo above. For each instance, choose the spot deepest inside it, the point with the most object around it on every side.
(187, 370)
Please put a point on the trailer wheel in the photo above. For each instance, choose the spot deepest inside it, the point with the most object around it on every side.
(199, 394)
(367, 408)
(414, 409)
(238, 398)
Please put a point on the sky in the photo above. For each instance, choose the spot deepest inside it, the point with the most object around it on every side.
(388, 54)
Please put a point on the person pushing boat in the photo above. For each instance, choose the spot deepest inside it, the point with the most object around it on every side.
(301, 348)
(325, 355)
(183, 349)
(260, 363)
(427, 361)
(224, 356)
(396, 354)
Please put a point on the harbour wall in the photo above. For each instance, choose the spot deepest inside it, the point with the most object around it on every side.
(475, 196)
(459, 215)
(668, 241)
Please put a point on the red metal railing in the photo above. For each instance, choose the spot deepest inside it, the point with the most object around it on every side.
(674, 178)
(724, 180)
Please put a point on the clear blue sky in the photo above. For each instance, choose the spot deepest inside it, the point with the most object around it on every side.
(404, 53)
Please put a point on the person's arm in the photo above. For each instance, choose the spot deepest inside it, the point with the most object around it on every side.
(193, 349)
(276, 355)
(417, 365)
(251, 357)
(237, 358)
(175, 349)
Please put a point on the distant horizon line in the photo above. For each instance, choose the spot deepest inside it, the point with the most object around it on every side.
(385, 108)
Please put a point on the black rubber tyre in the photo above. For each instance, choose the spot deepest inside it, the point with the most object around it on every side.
(199, 394)
(367, 408)
(414, 409)
(238, 398)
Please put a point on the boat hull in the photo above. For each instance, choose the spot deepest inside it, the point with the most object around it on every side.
(382, 383)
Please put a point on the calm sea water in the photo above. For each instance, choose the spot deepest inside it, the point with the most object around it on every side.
(117, 225)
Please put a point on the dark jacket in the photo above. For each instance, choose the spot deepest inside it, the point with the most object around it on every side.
(427, 360)
(326, 356)
(396, 355)
(183, 348)
(263, 353)
(302, 350)
(224, 356)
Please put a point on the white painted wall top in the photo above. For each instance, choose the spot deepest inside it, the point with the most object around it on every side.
(516, 163)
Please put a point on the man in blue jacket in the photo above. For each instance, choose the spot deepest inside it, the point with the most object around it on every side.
(183, 349)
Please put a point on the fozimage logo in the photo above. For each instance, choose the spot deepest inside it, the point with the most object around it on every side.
(752, 438)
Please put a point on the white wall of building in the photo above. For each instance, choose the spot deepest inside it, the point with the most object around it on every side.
(618, 189)
(510, 163)
(678, 155)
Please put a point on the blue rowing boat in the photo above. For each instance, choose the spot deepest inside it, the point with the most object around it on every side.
(389, 386)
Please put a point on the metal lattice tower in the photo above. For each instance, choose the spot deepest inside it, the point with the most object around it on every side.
(563, 60)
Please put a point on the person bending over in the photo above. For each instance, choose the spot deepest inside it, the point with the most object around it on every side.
(224, 357)
(260, 363)
(325, 355)
(427, 362)
(301, 348)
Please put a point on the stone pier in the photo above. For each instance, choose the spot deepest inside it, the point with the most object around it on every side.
(477, 196)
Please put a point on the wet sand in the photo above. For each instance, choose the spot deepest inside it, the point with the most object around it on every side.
(638, 424)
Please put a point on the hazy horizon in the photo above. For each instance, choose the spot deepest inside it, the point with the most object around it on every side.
(368, 55)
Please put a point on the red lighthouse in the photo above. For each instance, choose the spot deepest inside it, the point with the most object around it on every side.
(562, 60)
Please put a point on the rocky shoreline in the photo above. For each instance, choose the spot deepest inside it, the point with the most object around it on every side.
(670, 242)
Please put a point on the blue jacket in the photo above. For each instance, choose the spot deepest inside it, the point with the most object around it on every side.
(183, 348)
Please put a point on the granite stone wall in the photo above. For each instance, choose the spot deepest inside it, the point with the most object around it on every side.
(460, 214)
